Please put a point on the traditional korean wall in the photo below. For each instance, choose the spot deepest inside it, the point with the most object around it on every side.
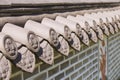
(83, 65)
(94, 62)
(77, 66)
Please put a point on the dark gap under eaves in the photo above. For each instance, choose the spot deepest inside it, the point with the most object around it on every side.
(35, 9)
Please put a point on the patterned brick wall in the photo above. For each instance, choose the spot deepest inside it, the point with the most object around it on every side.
(83, 65)
(114, 57)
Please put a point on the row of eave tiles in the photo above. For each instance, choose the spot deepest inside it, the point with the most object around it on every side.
(18, 45)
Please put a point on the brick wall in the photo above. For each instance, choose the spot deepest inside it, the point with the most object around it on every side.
(77, 66)
(114, 57)
(83, 65)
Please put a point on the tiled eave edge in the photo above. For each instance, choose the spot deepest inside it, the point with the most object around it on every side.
(20, 20)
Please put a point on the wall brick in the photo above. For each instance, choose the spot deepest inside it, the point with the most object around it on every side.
(75, 59)
(94, 61)
(80, 78)
(82, 70)
(69, 70)
(53, 71)
(91, 57)
(95, 48)
(67, 78)
(41, 76)
(59, 59)
(74, 75)
(64, 65)
(78, 65)
(19, 76)
(58, 77)
(85, 61)
(27, 75)
(89, 52)
(81, 56)
(44, 66)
